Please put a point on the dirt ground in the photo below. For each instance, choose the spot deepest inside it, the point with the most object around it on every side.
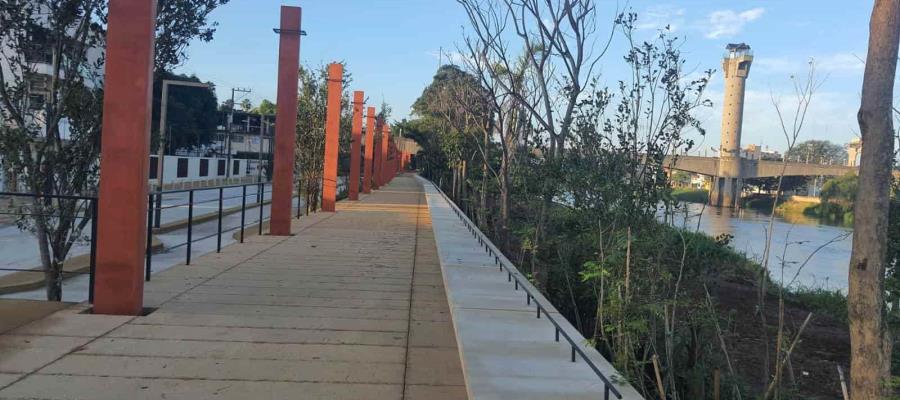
(825, 343)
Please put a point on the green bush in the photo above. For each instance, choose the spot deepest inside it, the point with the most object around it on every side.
(690, 195)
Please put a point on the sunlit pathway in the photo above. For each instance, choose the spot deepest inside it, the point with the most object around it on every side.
(351, 307)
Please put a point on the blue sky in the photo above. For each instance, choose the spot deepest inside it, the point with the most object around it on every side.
(391, 47)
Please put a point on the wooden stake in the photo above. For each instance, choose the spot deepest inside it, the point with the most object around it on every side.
(843, 382)
(716, 383)
(659, 383)
(628, 266)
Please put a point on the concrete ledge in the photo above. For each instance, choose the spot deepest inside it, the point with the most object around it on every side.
(506, 351)
(24, 281)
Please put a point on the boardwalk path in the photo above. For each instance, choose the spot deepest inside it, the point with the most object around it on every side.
(352, 307)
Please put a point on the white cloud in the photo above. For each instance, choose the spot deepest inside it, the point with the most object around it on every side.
(837, 63)
(658, 17)
(727, 23)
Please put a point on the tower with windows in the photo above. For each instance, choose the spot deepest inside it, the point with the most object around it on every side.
(726, 188)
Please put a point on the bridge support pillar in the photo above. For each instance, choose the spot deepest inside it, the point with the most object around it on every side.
(332, 125)
(121, 229)
(369, 151)
(356, 133)
(286, 121)
(726, 192)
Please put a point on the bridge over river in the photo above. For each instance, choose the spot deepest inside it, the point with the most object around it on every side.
(709, 166)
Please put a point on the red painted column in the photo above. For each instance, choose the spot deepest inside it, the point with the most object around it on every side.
(356, 134)
(332, 127)
(285, 121)
(370, 150)
(376, 171)
(125, 158)
(385, 141)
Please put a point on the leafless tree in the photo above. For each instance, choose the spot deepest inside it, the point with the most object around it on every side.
(561, 43)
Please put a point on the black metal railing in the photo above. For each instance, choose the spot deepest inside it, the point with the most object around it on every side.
(184, 198)
(154, 213)
(83, 207)
(513, 276)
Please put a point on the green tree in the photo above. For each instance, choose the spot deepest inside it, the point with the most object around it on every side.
(192, 117)
(246, 105)
(310, 149)
(51, 130)
(841, 190)
(817, 152)
(265, 107)
(178, 22)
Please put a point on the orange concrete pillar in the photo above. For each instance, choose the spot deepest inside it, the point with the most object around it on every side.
(385, 142)
(376, 165)
(332, 128)
(356, 133)
(125, 158)
(370, 150)
(285, 121)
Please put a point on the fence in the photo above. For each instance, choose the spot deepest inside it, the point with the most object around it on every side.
(514, 277)
(78, 209)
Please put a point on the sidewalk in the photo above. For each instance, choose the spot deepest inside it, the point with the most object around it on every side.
(352, 307)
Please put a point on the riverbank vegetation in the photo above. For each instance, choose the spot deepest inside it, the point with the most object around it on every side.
(571, 190)
(691, 195)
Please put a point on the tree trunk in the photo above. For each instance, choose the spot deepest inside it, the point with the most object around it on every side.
(52, 270)
(869, 340)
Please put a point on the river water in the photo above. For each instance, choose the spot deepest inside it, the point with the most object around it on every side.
(827, 247)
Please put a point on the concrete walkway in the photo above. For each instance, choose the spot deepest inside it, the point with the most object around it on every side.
(507, 350)
(352, 307)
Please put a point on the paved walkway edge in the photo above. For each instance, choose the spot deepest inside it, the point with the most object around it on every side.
(506, 351)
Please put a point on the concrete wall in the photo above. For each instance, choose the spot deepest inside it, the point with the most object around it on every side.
(246, 168)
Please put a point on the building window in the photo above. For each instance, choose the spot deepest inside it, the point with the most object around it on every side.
(221, 168)
(182, 168)
(153, 167)
(37, 101)
(204, 167)
(236, 167)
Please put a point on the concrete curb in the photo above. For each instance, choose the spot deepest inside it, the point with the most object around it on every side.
(506, 351)
(24, 281)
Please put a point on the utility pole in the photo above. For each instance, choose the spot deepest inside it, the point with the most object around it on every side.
(228, 134)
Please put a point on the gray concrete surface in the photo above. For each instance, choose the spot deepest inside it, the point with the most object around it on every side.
(351, 307)
(506, 351)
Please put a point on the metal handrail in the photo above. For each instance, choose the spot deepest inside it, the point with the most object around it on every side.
(154, 212)
(513, 275)
(54, 196)
(89, 212)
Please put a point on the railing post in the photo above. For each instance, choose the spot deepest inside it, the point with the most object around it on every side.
(149, 256)
(243, 211)
(219, 230)
(158, 205)
(190, 225)
(299, 199)
(94, 209)
(261, 188)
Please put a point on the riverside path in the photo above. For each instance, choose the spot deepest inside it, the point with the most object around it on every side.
(352, 306)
